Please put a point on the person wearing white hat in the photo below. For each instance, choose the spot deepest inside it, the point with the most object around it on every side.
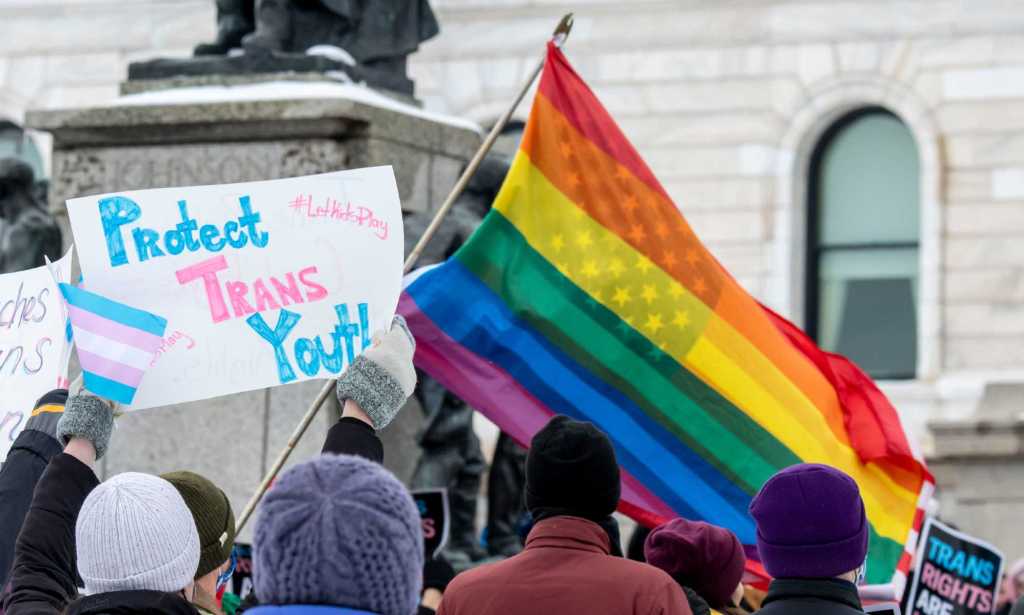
(136, 542)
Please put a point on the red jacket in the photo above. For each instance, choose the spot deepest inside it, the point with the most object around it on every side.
(565, 569)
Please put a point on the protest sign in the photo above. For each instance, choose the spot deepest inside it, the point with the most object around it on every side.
(434, 518)
(34, 347)
(955, 574)
(261, 283)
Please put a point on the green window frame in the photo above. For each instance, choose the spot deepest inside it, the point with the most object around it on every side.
(863, 243)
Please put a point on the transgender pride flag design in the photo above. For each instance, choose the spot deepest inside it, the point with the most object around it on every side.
(115, 342)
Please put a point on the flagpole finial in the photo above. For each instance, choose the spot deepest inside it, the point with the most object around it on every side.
(562, 31)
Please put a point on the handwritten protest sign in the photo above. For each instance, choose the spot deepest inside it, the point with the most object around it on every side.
(34, 349)
(434, 518)
(262, 283)
(955, 574)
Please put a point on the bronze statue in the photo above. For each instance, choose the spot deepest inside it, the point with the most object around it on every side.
(451, 450)
(27, 230)
(376, 35)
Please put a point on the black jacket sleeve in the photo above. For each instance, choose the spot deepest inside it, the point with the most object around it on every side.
(350, 436)
(25, 463)
(43, 577)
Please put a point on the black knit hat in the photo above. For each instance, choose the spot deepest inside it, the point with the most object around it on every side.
(571, 468)
(212, 513)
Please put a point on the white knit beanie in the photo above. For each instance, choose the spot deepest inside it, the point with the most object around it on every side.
(135, 532)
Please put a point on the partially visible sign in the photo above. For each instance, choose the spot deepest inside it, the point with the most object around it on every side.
(883, 608)
(34, 346)
(434, 518)
(241, 579)
(956, 574)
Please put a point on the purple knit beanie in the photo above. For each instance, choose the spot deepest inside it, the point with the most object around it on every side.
(706, 558)
(339, 530)
(810, 523)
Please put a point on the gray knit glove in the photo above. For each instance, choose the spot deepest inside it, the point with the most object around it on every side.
(382, 378)
(87, 417)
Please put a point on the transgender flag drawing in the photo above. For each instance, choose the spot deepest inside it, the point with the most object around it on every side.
(115, 342)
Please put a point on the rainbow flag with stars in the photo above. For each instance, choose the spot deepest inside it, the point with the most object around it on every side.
(585, 292)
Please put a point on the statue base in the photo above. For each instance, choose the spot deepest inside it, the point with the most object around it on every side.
(164, 73)
(225, 134)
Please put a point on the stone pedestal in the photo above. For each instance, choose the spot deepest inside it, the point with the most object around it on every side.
(208, 135)
(979, 468)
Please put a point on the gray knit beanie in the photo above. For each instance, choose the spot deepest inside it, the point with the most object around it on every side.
(339, 530)
(134, 531)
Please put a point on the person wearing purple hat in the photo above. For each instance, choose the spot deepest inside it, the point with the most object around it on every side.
(812, 536)
(706, 560)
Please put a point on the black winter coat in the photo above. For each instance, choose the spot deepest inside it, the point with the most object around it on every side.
(698, 605)
(811, 597)
(351, 436)
(131, 603)
(25, 463)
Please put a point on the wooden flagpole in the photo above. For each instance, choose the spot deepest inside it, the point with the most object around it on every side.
(559, 37)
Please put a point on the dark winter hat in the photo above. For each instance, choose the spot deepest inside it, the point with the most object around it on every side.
(706, 558)
(339, 530)
(810, 523)
(571, 467)
(47, 412)
(56, 397)
(213, 516)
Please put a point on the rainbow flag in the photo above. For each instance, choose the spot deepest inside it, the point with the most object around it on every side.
(115, 342)
(585, 292)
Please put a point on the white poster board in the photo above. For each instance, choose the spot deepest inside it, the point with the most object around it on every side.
(262, 283)
(34, 349)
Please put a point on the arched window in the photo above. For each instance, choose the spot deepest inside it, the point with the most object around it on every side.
(863, 240)
(15, 143)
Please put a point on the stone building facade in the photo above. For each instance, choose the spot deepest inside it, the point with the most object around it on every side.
(732, 104)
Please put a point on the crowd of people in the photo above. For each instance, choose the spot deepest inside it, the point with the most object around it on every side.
(340, 534)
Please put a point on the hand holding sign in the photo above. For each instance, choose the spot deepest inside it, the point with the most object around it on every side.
(271, 282)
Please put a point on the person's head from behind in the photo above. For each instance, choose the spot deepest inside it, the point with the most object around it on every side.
(706, 558)
(811, 524)
(215, 522)
(571, 470)
(339, 530)
(134, 532)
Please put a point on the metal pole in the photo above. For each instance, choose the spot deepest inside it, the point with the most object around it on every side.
(560, 35)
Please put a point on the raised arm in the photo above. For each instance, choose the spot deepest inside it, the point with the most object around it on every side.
(371, 392)
(26, 460)
(43, 579)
